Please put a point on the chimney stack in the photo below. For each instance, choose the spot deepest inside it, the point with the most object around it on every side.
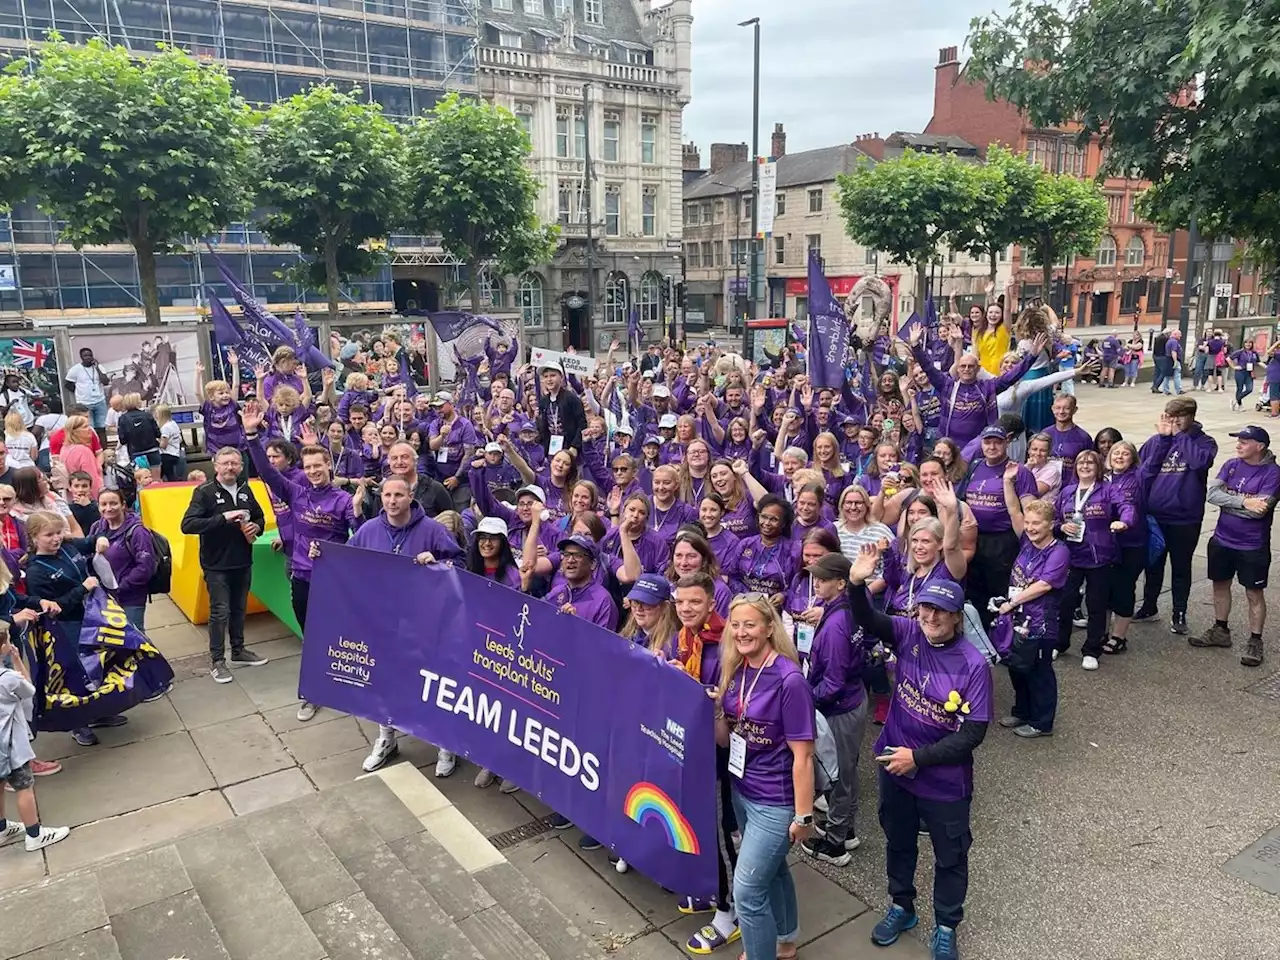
(692, 158)
(726, 155)
(947, 56)
(778, 146)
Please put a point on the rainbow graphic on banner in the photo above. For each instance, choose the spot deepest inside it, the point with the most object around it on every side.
(646, 802)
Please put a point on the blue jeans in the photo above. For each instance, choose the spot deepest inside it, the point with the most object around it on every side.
(98, 414)
(1173, 378)
(1244, 385)
(1199, 376)
(764, 892)
(136, 615)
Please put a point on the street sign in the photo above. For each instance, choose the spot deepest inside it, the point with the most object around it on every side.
(1222, 289)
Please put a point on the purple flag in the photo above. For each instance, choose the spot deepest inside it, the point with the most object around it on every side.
(634, 337)
(905, 330)
(598, 728)
(227, 334)
(305, 335)
(261, 325)
(930, 314)
(828, 331)
(451, 324)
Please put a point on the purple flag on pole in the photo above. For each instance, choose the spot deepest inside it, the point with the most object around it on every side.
(227, 333)
(828, 331)
(905, 330)
(603, 732)
(306, 336)
(451, 324)
(263, 326)
(634, 337)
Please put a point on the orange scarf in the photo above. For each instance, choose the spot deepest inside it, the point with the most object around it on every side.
(689, 644)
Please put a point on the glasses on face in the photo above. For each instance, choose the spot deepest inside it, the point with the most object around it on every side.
(6, 499)
(621, 469)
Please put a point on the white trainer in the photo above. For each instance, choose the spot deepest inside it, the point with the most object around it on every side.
(47, 837)
(384, 748)
(306, 711)
(446, 763)
(1089, 663)
(12, 831)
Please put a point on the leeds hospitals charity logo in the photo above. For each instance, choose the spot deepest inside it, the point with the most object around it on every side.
(350, 662)
(647, 802)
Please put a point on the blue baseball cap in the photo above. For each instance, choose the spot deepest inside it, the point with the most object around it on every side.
(650, 589)
(1253, 433)
(943, 595)
(994, 433)
(581, 541)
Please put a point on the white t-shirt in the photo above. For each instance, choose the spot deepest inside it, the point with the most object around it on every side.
(22, 449)
(19, 400)
(171, 440)
(50, 422)
(88, 384)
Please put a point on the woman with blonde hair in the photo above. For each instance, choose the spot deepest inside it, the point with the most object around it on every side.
(21, 442)
(77, 453)
(765, 717)
(826, 457)
(652, 622)
(138, 432)
(694, 471)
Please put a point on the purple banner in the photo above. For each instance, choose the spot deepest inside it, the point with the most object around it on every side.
(828, 331)
(595, 727)
(451, 324)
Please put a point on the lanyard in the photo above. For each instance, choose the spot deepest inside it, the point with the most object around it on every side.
(660, 516)
(744, 702)
(1079, 500)
(924, 582)
(769, 556)
(286, 427)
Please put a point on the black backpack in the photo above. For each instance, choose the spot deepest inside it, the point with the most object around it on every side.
(162, 577)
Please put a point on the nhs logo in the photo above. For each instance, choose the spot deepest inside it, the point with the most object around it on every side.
(675, 730)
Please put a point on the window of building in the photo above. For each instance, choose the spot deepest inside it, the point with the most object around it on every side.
(1131, 295)
(1135, 253)
(870, 256)
(1162, 253)
(650, 299)
(615, 299)
(1132, 209)
(706, 212)
(530, 295)
(562, 132)
(1115, 208)
(780, 207)
(492, 291)
(779, 250)
(1155, 295)
(747, 205)
(815, 201)
(612, 209)
(649, 211)
(648, 138)
(736, 254)
(564, 203)
(719, 248)
(1107, 251)
(814, 243)
(593, 11)
(533, 8)
(513, 41)
(524, 113)
(706, 253)
(691, 218)
(579, 134)
(562, 8)
(612, 134)
(505, 5)
(693, 255)
(638, 57)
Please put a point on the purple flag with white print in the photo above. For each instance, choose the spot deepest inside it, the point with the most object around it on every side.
(828, 331)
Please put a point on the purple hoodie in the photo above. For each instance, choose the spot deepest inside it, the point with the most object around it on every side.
(1104, 505)
(420, 535)
(132, 557)
(320, 514)
(222, 426)
(1178, 467)
(836, 661)
(966, 408)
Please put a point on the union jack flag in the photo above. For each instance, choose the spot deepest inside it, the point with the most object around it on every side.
(30, 353)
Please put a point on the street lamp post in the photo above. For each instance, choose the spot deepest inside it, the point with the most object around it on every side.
(754, 280)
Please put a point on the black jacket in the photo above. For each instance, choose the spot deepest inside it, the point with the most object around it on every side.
(573, 419)
(429, 493)
(222, 545)
(139, 432)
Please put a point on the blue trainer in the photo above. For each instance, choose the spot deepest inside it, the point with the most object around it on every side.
(896, 922)
(944, 944)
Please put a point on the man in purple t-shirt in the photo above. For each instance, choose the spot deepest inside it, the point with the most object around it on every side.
(1173, 350)
(1245, 490)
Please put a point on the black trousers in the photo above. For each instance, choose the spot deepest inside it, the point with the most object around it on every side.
(990, 571)
(901, 815)
(1124, 584)
(1097, 594)
(300, 595)
(728, 824)
(1035, 692)
(1180, 541)
(228, 600)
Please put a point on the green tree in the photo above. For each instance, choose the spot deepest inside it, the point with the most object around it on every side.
(1005, 188)
(1067, 216)
(143, 150)
(332, 173)
(470, 182)
(907, 206)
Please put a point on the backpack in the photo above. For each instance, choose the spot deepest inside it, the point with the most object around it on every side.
(162, 577)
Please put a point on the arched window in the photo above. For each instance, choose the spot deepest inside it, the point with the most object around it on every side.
(1135, 253)
(615, 298)
(1107, 251)
(492, 290)
(650, 299)
(530, 297)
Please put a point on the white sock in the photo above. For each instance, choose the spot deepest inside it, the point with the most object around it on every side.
(724, 921)
(385, 732)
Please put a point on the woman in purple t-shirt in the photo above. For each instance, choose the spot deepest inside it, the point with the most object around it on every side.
(1242, 362)
(765, 717)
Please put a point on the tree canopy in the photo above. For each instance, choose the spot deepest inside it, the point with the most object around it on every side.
(470, 182)
(147, 151)
(332, 177)
(1006, 187)
(1066, 217)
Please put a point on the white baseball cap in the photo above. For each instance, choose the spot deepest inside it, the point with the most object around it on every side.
(495, 526)
(493, 448)
(668, 421)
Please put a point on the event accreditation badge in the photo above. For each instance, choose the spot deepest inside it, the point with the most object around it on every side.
(737, 754)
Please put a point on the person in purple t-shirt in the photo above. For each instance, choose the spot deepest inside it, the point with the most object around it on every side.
(765, 717)
(1273, 378)
(939, 715)
(1242, 362)
(1066, 437)
(1245, 490)
(1039, 573)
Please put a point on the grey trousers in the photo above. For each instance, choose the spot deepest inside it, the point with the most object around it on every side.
(842, 800)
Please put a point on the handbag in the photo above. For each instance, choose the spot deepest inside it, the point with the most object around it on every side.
(826, 759)
(1155, 544)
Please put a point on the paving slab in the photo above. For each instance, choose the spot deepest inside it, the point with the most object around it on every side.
(18, 868)
(136, 831)
(146, 720)
(200, 702)
(441, 875)
(180, 640)
(95, 945)
(163, 612)
(177, 926)
(249, 907)
(491, 810)
(378, 806)
(529, 908)
(271, 686)
(658, 906)
(499, 937)
(352, 929)
(281, 648)
(421, 924)
(114, 780)
(315, 741)
(135, 881)
(577, 891)
(268, 791)
(260, 627)
(341, 828)
(852, 941)
(823, 905)
(49, 913)
(654, 946)
(241, 749)
(340, 768)
(283, 719)
(308, 870)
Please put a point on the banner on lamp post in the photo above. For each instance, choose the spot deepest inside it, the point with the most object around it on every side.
(768, 199)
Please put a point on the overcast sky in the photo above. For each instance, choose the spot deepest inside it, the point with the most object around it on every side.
(829, 69)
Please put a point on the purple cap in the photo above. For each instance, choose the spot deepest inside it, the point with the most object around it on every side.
(580, 540)
(1253, 433)
(994, 433)
(944, 595)
(651, 589)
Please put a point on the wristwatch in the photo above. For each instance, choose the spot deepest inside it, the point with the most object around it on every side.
(803, 819)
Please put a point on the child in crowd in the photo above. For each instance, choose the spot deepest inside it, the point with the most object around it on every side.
(197, 476)
(82, 499)
(21, 443)
(171, 459)
(17, 698)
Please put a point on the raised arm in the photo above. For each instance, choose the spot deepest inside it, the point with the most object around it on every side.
(517, 461)
(1011, 501)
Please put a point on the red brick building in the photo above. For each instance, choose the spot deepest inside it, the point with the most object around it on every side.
(1130, 272)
